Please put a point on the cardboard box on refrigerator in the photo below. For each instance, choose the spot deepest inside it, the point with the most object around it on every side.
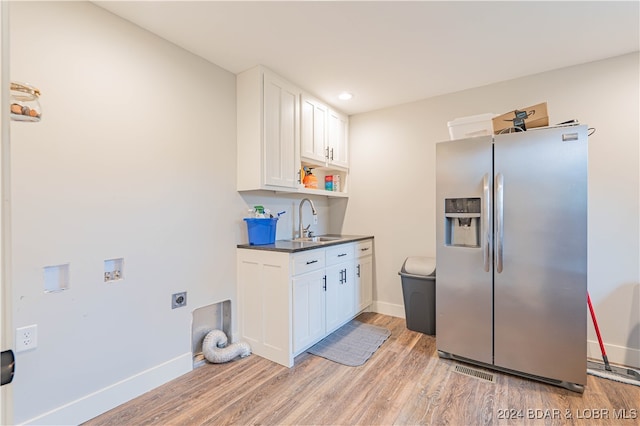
(537, 116)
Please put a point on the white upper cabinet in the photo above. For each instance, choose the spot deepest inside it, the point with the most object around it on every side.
(314, 123)
(268, 131)
(281, 130)
(324, 136)
(338, 141)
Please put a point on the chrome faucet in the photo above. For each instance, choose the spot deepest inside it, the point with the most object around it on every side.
(302, 232)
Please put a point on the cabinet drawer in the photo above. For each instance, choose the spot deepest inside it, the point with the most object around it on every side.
(340, 253)
(307, 261)
(364, 248)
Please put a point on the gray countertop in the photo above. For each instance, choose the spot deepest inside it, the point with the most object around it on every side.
(289, 246)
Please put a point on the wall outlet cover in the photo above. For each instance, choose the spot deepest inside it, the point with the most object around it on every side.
(26, 338)
(178, 300)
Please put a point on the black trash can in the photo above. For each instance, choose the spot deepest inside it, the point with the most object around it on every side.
(418, 275)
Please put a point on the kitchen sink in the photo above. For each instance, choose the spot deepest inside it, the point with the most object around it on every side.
(318, 239)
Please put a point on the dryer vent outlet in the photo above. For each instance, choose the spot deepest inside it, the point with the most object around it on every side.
(178, 300)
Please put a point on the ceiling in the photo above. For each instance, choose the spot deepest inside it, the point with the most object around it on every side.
(390, 52)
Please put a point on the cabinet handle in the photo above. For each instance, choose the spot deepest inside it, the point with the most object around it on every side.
(326, 155)
(364, 249)
(312, 261)
(358, 270)
(343, 254)
(324, 285)
(332, 153)
(344, 271)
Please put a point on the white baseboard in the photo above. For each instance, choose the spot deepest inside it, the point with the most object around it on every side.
(103, 400)
(616, 354)
(388, 309)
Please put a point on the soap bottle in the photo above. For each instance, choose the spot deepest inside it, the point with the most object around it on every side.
(259, 211)
(310, 181)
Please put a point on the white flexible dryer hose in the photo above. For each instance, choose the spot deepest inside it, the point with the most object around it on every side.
(215, 348)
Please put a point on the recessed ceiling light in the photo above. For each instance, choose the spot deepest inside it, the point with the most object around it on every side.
(345, 96)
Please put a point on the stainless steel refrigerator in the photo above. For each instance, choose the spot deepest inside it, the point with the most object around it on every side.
(512, 253)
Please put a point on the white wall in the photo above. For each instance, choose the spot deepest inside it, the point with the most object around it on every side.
(135, 158)
(288, 222)
(392, 182)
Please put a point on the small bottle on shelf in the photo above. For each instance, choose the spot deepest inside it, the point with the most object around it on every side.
(328, 183)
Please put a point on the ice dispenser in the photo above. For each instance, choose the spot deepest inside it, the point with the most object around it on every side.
(462, 226)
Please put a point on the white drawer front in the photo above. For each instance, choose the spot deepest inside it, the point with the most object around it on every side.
(364, 248)
(340, 253)
(308, 261)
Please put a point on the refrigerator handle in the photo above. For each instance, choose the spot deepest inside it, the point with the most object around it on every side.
(499, 212)
(486, 223)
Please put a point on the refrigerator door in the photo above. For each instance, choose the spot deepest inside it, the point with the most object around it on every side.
(463, 255)
(540, 282)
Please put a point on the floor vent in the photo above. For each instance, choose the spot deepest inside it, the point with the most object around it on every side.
(472, 372)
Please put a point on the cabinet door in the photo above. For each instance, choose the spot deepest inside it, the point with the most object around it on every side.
(364, 282)
(364, 274)
(264, 303)
(313, 126)
(281, 139)
(340, 294)
(348, 297)
(308, 309)
(338, 140)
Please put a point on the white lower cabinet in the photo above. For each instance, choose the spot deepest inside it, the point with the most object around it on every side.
(309, 284)
(364, 274)
(308, 310)
(288, 302)
(264, 303)
(341, 286)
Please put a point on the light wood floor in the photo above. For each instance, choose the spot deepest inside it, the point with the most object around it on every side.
(403, 383)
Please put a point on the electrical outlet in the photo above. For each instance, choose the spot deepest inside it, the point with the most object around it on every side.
(178, 300)
(26, 338)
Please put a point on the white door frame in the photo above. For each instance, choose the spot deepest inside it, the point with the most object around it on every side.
(6, 317)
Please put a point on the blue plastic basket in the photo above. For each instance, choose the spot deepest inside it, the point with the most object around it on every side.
(261, 230)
